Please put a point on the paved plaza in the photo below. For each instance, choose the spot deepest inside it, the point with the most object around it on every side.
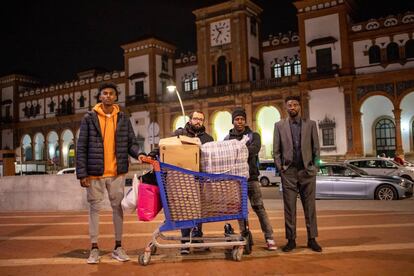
(359, 237)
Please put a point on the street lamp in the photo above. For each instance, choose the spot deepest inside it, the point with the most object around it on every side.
(171, 88)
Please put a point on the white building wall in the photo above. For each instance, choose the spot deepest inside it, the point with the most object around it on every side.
(329, 102)
(362, 65)
(322, 27)
(277, 56)
(372, 109)
(137, 65)
(121, 95)
(7, 138)
(48, 101)
(78, 94)
(407, 117)
(140, 122)
(183, 72)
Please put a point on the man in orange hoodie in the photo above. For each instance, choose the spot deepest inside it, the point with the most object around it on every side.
(106, 138)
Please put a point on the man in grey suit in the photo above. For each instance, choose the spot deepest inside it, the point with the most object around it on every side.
(296, 151)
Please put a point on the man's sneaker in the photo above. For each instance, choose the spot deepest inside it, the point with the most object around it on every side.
(185, 251)
(120, 255)
(271, 245)
(94, 256)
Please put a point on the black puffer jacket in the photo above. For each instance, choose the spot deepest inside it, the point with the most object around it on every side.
(90, 151)
(254, 144)
(189, 131)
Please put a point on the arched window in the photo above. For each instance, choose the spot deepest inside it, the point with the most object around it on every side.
(385, 137)
(374, 53)
(297, 70)
(187, 85)
(393, 53)
(409, 49)
(194, 84)
(221, 70)
(287, 69)
(277, 70)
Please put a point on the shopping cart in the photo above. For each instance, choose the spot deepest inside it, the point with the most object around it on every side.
(189, 198)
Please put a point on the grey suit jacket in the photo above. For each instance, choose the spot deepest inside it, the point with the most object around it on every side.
(283, 145)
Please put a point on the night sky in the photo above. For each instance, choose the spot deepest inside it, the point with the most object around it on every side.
(53, 40)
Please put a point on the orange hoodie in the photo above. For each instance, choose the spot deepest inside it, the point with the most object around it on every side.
(107, 122)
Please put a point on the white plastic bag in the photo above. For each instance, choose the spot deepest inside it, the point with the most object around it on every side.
(129, 202)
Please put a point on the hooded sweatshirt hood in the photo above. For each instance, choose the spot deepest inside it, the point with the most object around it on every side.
(107, 122)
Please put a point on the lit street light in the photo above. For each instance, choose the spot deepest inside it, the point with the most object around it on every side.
(171, 88)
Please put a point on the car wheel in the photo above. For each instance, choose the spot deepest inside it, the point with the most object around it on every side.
(385, 192)
(264, 181)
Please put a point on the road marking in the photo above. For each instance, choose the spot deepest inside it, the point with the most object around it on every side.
(159, 221)
(213, 255)
(149, 234)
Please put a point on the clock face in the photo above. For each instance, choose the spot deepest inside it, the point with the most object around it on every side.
(220, 32)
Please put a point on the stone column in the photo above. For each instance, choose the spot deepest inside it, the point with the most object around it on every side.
(398, 139)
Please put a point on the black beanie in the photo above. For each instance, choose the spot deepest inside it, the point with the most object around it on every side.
(238, 112)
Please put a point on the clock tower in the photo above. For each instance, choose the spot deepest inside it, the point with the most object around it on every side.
(228, 43)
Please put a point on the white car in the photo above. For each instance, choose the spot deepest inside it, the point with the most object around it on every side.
(382, 166)
(268, 173)
(67, 171)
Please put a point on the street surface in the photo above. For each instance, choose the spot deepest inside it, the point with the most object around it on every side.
(359, 237)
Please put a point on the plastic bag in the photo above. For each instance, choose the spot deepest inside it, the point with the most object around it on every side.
(129, 202)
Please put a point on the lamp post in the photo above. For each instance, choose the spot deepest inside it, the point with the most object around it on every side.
(171, 88)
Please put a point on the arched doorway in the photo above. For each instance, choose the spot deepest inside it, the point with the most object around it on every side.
(180, 122)
(373, 108)
(27, 149)
(266, 118)
(68, 148)
(39, 146)
(385, 137)
(53, 148)
(221, 125)
(407, 115)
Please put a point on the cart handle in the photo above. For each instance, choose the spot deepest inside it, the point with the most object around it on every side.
(155, 164)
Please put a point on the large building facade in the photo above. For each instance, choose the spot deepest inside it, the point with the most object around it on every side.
(356, 80)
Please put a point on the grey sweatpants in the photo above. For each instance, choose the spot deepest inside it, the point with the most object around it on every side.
(95, 196)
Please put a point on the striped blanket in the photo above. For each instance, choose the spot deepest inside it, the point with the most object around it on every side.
(228, 157)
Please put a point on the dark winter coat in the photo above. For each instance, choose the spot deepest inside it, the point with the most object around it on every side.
(254, 144)
(190, 132)
(90, 151)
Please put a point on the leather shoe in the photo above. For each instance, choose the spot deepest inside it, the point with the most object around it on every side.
(312, 244)
(289, 246)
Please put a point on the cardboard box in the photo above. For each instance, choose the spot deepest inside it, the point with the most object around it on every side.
(179, 151)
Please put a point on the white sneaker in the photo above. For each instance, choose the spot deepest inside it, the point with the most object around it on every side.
(271, 245)
(120, 255)
(93, 256)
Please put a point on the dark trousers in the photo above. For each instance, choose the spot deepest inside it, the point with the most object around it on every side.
(197, 233)
(300, 182)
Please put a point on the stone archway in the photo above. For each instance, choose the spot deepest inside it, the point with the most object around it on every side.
(222, 123)
(266, 117)
(385, 137)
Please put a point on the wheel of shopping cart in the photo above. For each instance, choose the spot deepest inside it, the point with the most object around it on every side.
(145, 258)
(237, 253)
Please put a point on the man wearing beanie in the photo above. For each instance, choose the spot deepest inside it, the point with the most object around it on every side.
(255, 195)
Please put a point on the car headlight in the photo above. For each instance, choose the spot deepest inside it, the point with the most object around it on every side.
(404, 183)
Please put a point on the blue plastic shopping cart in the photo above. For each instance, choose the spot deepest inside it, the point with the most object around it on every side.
(189, 198)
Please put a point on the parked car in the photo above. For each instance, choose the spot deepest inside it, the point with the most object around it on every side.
(382, 166)
(340, 180)
(268, 173)
(67, 171)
